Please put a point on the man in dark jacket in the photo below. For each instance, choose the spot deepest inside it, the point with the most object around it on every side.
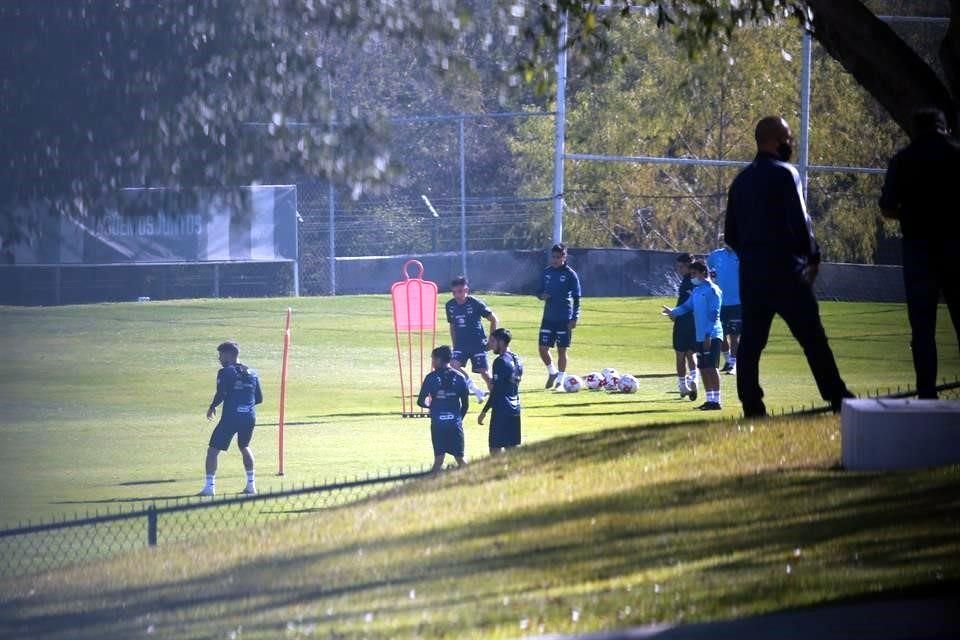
(922, 191)
(768, 226)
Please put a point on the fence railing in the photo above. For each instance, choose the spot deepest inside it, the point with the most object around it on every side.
(33, 548)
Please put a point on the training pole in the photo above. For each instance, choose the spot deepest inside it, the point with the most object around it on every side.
(283, 389)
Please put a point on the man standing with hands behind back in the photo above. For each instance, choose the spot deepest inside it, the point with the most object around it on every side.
(922, 191)
(768, 226)
(560, 291)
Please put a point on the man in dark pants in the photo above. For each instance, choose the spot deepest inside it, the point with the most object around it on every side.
(922, 191)
(768, 226)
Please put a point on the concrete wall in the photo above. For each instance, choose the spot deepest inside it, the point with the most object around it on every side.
(603, 272)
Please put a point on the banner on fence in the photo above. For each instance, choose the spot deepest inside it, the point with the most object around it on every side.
(162, 225)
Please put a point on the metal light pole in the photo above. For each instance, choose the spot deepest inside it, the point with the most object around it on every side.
(463, 203)
(806, 61)
(560, 130)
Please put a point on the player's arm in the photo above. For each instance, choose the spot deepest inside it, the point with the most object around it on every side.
(464, 399)
(492, 317)
(575, 294)
(494, 390)
(681, 310)
(257, 392)
(224, 384)
(542, 289)
(713, 307)
(424, 393)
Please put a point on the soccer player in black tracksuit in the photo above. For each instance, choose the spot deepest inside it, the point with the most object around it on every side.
(685, 342)
(238, 389)
(922, 191)
(449, 401)
(768, 226)
(504, 397)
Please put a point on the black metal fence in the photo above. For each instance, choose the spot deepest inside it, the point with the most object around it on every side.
(34, 548)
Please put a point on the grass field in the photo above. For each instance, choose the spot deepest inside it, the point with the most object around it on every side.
(103, 405)
(601, 530)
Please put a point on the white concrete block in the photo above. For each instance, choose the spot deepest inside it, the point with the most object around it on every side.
(879, 434)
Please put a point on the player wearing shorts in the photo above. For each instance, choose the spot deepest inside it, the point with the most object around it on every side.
(560, 291)
(504, 397)
(449, 400)
(684, 334)
(465, 314)
(704, 303)
(725, 263)
(238, 389)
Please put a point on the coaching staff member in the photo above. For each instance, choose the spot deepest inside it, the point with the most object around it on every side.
(768, 226)
(922, 191)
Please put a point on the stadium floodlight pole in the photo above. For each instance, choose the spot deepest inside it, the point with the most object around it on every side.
(283, 390)
(436, 219)
(806, 62)
(463, 202)
(560, 130)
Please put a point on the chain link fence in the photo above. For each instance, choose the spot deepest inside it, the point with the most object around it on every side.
(31, 549)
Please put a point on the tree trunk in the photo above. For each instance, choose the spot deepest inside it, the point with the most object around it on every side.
(950, 59)
(880, 61)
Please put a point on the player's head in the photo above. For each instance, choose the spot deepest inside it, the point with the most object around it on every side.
(682, 265)
(441, 356)
(929, 121)
(229, 351)
(773, 135)
(558, 255)
(460, 288)
(500, 340)
(699, 271)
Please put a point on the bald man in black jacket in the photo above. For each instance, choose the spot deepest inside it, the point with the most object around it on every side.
(768, 226)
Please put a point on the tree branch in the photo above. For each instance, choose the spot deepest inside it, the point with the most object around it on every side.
(880, 61)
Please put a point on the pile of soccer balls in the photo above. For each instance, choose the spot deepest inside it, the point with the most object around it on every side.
(606, 380)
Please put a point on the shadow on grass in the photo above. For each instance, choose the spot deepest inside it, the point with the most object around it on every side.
(137, 483)
(181, 496)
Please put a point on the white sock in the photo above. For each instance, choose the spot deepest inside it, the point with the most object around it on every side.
(250, 476)
(561, 376)
(471, 386)
(692, 377)
(211, 481)
(682, 384)
(713, 396)
(732, 360)
(552, 369)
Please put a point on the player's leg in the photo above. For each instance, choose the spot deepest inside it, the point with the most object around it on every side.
(219, 441)
(244, 436)
(548, 338)
(682, 374)
(798, 307)
(757, 318)
(461, 462)
(478, 363)
(458, 359)
(564, 339)
(437, 463)
(710, 375)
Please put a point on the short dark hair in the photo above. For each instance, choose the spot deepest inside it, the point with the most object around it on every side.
(502, 334)
(229, 347)
(767, 128)
(928, 120)
(699, 266)
(459, 281)
(442, 353)
(684, 258)
(558, 248)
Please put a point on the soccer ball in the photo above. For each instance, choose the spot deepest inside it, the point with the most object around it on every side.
(609, 373)
(612, 383)
(572, 384)
(594, 381)
(628, 384)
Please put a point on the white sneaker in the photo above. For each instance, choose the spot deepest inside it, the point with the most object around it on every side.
(479, 394)
(249, 490)
(206, 492)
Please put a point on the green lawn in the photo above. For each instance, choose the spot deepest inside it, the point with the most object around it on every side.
(103, 405)
(601, 530)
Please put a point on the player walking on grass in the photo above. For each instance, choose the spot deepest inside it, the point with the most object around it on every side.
(449, 400)
(704, 302)
(238, 389)
(725, 263)
(685, 334)
(504, 397)
(560, 291)
(465, 314)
